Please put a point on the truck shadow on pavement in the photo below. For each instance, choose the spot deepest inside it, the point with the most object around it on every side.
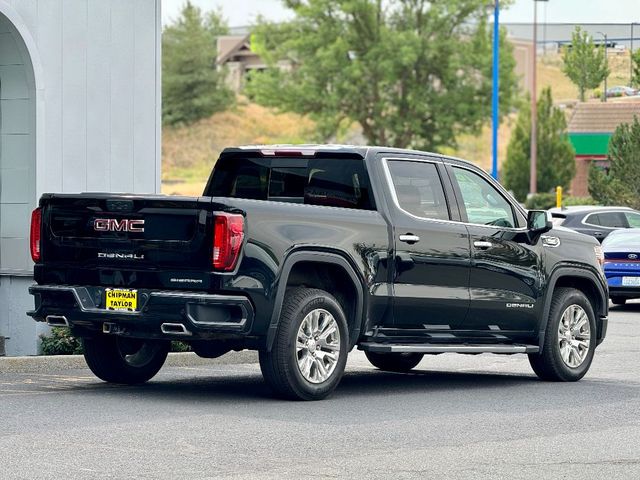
(370, 383)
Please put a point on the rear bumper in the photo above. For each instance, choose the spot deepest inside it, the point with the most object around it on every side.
(624, 292)
(204, 316)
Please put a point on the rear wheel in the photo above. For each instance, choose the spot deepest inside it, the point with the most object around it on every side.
(124, 360)
(618, 300)
(310, 349)
(394, 362)
(570, 338)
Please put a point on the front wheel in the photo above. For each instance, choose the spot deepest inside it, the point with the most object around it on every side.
(310, 349)
(394, 362)
(124, 360)
(570, 338)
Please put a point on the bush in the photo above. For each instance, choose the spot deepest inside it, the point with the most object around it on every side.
(180, 347)
(545, 201)
(60, 342)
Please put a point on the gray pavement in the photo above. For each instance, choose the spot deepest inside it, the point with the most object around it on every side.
(475, 417)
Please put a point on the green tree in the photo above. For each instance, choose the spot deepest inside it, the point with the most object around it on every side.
(192, 88)
(556, 157)
(621, 184)
(635, 58)
(411, 73)
(584, 63)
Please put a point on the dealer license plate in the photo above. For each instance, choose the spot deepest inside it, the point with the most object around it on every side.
(121, 299)
(631, 281)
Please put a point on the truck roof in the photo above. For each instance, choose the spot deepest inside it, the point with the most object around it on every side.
(309, 149)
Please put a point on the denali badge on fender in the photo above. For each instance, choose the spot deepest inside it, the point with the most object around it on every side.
(520, 305)
(114, 225)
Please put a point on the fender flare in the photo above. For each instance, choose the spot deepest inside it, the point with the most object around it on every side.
(566, 271)
(315, 257)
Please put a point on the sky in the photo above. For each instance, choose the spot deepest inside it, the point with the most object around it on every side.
(244, 12)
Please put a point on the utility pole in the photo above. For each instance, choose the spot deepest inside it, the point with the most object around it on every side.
(496, 90)
(631, 59)
(606, 65)
(533, 173)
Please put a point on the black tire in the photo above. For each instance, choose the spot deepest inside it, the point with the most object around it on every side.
(548, 364)
(122, 360)
(618, 300)
(394, 362)
(280, 366)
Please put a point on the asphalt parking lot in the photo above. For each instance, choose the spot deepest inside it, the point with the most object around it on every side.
(457, 416)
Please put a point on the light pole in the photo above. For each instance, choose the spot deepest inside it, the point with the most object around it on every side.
(533, 173)
(495, 103)
(606, 64)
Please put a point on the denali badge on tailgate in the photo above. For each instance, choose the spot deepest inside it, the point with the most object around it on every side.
(114, 225)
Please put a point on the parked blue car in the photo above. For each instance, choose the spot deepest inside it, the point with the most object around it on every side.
(622, 264)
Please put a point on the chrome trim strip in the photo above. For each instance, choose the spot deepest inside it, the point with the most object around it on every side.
(435, 348)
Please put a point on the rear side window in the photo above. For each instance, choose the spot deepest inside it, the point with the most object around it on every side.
(608, 219)
(419, 189)
(333, 182)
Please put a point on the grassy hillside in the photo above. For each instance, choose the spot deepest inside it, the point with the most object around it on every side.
(188, 153)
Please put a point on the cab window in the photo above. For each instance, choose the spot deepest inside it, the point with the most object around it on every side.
(483, 204)
(418, 189)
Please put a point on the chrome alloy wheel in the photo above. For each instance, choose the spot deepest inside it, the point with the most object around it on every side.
(318, 346)
(574, 336)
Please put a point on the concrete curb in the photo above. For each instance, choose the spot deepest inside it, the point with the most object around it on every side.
(45, 364)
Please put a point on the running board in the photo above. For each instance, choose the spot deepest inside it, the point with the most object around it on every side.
(447, 348)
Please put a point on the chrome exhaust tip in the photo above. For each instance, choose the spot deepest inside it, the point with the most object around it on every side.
(57, 321)
(174, 329)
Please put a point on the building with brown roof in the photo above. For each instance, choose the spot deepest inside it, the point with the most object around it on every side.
(590, 129)
(235, 54)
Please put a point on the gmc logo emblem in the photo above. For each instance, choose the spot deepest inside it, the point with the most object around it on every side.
(113, 225)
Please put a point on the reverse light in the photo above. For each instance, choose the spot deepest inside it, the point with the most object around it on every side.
(228, 234)
(36, 233)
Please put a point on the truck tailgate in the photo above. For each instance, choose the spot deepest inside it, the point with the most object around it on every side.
(108, 239)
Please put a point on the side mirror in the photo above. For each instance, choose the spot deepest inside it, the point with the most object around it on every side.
(539, 222)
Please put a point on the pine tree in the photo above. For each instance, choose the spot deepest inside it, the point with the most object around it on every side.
(635, 58)
(556, 157)
(192, 88)
(584, 63)
(621, 185)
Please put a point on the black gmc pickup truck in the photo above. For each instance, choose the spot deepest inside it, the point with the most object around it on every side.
(304, 252)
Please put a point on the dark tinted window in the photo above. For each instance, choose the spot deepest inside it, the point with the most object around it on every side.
(609, 219)
(593, 219)
(334, 182)
(419, 189)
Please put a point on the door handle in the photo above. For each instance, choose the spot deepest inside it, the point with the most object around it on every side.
(409, 238)
(482, 245)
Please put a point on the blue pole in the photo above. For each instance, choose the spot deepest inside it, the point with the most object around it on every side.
(496, 79)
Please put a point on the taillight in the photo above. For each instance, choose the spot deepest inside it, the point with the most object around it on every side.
(36, 232)
(228, 233)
